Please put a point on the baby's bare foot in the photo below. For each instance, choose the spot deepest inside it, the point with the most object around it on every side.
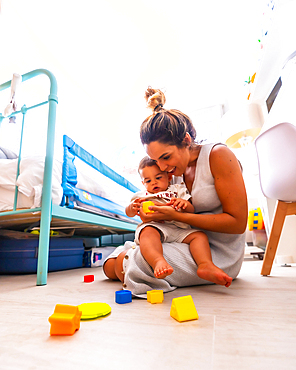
(162, 269)
(210, 272)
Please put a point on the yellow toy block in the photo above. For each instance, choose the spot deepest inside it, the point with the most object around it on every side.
(255, 219)
(183, 309)
(155, 296)
(65, 320)
(147, 204)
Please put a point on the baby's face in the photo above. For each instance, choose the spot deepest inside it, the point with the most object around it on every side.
(154, 180)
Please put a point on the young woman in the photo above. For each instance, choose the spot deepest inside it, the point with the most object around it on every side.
(213, 176)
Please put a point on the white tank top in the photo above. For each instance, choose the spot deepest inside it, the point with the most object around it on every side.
(228, 249)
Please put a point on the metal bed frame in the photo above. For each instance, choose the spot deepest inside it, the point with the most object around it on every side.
(50, 215)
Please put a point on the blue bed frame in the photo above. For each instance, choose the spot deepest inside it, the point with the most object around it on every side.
(60, 213)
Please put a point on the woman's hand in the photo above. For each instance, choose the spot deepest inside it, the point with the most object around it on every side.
(162, 212)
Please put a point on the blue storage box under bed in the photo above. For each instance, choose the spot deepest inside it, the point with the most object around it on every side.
(20, 256)
(114, 239)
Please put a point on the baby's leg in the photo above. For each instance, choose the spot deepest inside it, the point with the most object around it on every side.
(151, 249)
(201, 252)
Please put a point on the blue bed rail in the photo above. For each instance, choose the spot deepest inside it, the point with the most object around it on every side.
(72, 194)
(71, 147)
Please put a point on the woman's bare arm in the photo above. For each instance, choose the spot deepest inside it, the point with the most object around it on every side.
(230, 188)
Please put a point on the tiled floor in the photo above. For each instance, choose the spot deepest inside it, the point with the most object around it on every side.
(251, 325)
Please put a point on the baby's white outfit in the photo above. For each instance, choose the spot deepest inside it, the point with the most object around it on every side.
(170, 231)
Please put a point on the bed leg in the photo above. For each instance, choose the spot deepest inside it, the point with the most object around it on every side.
(43, 255)
(46, 213)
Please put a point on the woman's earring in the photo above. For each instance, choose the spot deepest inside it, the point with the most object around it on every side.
(187, 139)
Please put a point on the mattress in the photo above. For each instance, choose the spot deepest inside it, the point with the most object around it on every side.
(30, 181)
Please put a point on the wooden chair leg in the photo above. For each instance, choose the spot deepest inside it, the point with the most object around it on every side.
(274, 237)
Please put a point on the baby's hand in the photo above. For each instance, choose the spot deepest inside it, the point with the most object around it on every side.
(136, 205)
(178, 203)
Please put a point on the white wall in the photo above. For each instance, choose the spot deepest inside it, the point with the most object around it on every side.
(279, 44)
(284, 110)
(105, 53)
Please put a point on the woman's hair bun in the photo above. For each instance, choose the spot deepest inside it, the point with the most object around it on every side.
(155, 99)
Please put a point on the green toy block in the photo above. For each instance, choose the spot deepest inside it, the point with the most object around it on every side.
(155, 296)
(183, 309)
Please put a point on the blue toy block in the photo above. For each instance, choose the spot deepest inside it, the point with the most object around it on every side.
(123, 296)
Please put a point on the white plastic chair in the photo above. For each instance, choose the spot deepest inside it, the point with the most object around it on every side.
(276, 152)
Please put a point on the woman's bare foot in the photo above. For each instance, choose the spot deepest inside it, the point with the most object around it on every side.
(162, 269)
(210, 272)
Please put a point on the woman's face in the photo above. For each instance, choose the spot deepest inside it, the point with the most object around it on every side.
(169, 158)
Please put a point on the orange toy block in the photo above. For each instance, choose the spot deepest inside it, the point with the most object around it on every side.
(155, 296)
(183, 309)
(65, 320)
(147, 204)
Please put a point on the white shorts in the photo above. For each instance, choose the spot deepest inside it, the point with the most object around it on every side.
(169, 233)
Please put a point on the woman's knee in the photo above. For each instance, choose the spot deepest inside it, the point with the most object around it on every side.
(119, 266)
(109, 268)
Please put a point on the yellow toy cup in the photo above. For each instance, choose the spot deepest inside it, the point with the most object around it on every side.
(147, 204)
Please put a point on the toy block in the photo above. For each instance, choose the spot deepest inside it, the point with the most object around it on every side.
(183, 309)
(147, 204)
(123, 296)
(65, 320)
(89, 278)
(155, 296)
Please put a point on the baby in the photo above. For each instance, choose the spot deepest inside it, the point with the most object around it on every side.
(150, 236)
